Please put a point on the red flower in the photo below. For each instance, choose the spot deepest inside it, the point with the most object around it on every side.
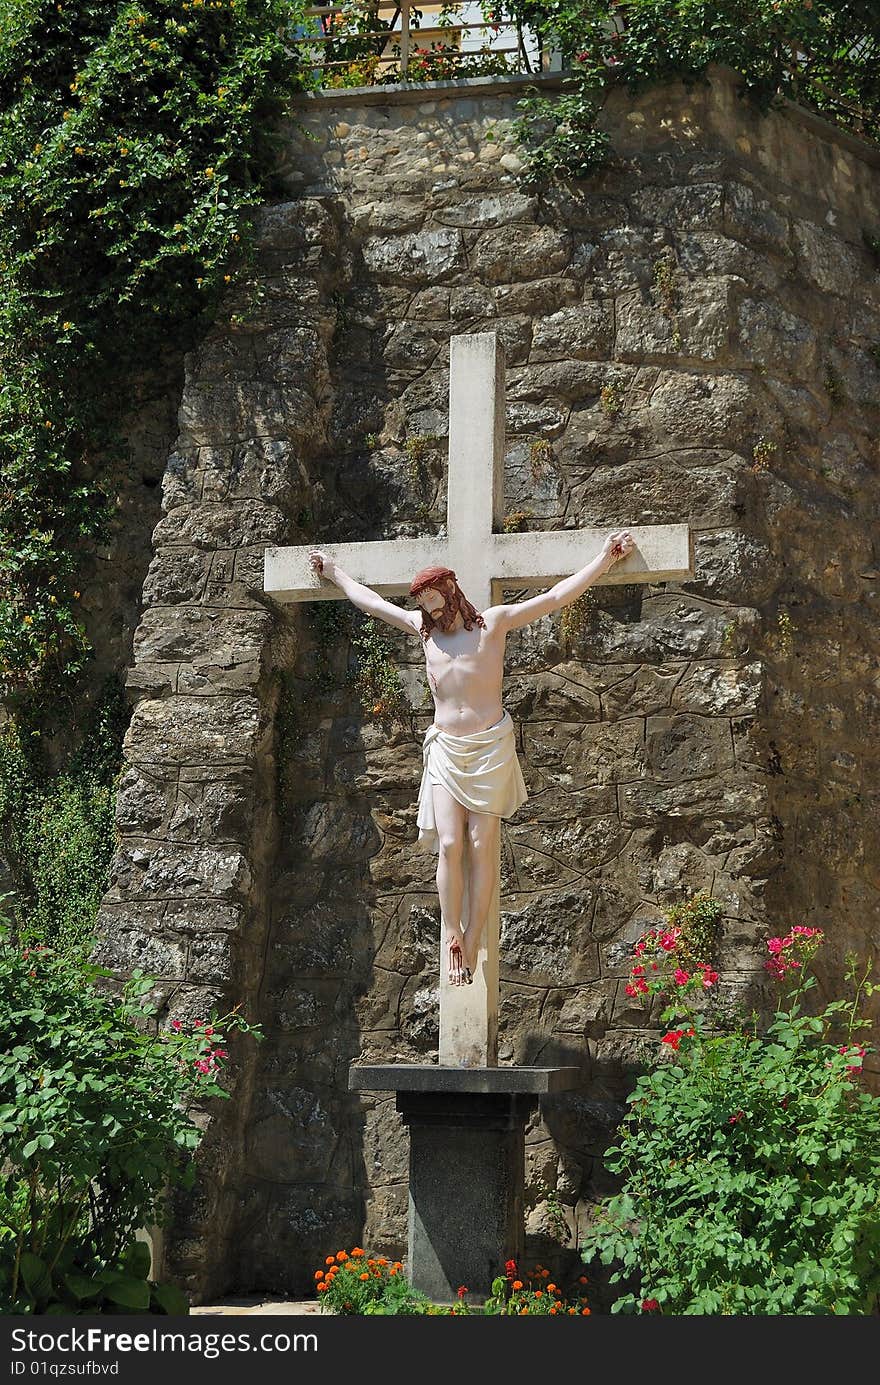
(682, 977)
(510, 1269)
(462, 1290)
(650, 1305)
(175, 1025)
(732, 1120)
(709, 976)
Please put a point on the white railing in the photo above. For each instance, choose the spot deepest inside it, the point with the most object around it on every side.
(416, 43)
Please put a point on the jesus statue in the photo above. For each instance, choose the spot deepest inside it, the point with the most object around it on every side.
(471, 776)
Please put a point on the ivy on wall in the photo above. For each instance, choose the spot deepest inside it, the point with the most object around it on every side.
(133, 139)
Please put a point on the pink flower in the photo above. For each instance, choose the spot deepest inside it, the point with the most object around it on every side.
(709, 977)
(462, 1290)
(681, 977)
(650, 1305)
(175, 1025)
(775, 945)
(732, 1120)
(630, 989)
(853, 1048)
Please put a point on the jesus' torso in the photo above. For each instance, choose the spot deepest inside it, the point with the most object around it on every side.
(465, 672)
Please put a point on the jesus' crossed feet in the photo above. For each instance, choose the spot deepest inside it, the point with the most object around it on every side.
(460, 973)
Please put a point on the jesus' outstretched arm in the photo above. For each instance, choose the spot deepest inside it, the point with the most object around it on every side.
(364, 597)
(568, 589)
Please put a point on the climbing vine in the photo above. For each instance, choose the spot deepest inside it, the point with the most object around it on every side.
(133, 139)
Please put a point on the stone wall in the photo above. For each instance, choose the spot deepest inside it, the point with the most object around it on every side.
(709, 295)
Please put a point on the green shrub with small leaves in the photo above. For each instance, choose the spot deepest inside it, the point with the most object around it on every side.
(95, 1127)
(749, 1161)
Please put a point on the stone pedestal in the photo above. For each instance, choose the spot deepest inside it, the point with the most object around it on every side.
(466, 1165)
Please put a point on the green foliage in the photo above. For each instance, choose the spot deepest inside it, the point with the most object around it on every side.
(540, 457)
(750, 1165)
(133, 139)
(696, 920)
(642, 42)
(95, 1125)
(376, 679)
(557, 135)
(58, 830)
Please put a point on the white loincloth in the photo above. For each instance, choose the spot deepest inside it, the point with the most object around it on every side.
(481, 771)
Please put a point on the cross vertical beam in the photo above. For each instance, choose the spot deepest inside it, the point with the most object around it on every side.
(469, 1014)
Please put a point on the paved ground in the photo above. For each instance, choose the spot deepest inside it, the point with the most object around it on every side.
(257, 1307)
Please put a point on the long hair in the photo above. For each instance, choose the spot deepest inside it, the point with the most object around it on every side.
(454, 600)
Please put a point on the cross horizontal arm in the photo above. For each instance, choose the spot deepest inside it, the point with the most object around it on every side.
(386, 566)
(662, 553)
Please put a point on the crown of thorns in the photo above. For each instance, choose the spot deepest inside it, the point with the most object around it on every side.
(429, 577)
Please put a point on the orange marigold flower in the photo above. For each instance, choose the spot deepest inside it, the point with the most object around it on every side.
(357, 1252)
(517, 1284)
(393, 1270)
(365, 1275)
(582, 1279)
(551, 1288)
(341, 1256)
(572, 1312)
(329, 1260)
(524, 1309)
(539, 1293)
(322, 1288)
(585, 1312)
(381, 1260)
(553, 1311)
(319, 1274)
(545, 1274)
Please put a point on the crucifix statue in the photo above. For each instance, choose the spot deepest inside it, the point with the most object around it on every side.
(471, 776)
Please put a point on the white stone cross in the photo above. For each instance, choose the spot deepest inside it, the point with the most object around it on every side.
(485, 562)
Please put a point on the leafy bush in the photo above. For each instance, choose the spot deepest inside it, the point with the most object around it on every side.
(95, 1125)
(750, 1162)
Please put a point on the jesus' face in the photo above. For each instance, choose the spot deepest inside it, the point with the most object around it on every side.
(438, 606)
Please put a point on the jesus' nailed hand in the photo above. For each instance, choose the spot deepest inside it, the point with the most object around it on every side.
(472, 776)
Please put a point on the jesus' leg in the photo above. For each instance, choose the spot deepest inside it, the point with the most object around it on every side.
(449, 816)
(483, 829)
